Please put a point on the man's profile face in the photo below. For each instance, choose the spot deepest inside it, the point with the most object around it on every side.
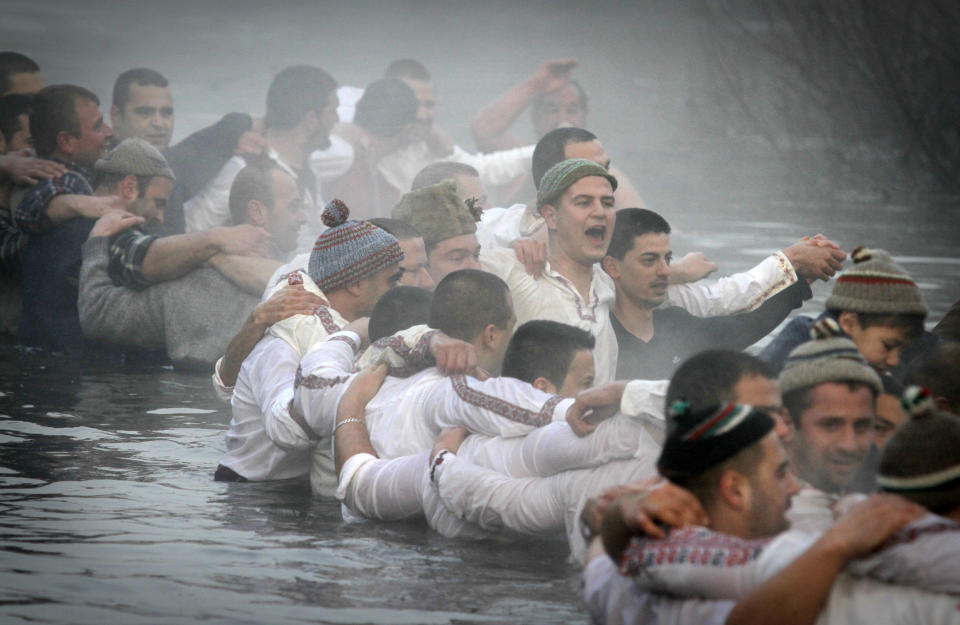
(833, 435)
(147, 115)
(583, 221)
(589, 150)
(772, 485)
(373, 287)
(580, 374)
(154, 200)
(414, 264)
(453, 254)
(643, 273)
(286, 216)
(426, 106)
(558, 109)
(94, 133)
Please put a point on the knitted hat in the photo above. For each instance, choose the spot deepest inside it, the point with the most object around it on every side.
(697, 441)
(828, 357)
(876, 284)
(349, 251)
(134, 157)
(922, 459)
(437, 212)
(559, 177)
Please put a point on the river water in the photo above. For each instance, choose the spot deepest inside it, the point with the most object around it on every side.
(109, 512)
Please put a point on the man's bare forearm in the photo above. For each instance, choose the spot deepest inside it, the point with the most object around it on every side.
(247, 273)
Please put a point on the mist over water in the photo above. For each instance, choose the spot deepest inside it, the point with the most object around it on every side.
(110, 514)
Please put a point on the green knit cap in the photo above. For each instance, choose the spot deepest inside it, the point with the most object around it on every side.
(559, 177)
(876, 284)
(828, 357)
(437, 212)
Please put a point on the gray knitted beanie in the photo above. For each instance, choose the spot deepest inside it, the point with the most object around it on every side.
(437, 212)
(827, 357)
(135, 157)
(922, 459)
(349, 251)
(876, 284)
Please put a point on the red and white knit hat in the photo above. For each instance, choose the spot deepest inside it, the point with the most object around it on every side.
(876, 284)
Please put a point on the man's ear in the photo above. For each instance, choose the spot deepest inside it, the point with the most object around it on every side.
(115, 115)
(129, 189)
(612, 266)
(310, 121)
(545, 385)
(66, 142)
(257, 213)
(734, 489)
(549, 214)
(849, 322)
(355, 288)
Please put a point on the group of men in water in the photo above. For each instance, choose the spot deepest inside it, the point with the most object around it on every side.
(536, 368)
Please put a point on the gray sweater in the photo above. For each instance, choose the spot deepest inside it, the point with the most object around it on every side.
(193, 317)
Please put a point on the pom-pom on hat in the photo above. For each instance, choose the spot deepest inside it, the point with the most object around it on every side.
(559, 177)
(134, 157)
(921, 461)
(697, 441)
(349, 250)
(437, 212)
(876, 284)
(828, 357)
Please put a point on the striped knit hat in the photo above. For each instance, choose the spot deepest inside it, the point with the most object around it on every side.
(828, 357)
(876, 284)
(559, 177)
(922, 459)
(698, 441)
(349, 251)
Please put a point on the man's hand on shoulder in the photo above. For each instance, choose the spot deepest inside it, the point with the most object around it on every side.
(533, 254)
(288, 301)
(114, 222)
(243, 240)
(25, 169)
(452, 356)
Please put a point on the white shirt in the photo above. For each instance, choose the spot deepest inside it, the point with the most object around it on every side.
(922, 559)
(553, 297)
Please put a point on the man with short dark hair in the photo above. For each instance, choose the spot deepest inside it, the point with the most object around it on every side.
(652, 339)
(301, 110)
(143, 107)
(385, 121)
(18, 74)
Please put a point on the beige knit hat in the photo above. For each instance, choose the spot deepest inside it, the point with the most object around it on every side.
(135, 157)
(828, 357)
(876, 284)
(437, 212)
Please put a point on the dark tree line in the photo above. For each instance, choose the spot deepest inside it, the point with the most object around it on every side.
(858, 74)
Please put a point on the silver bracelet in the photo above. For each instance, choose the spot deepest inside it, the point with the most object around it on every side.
(346, 421)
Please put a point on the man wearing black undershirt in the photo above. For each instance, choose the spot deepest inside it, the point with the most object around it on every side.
(653, 341)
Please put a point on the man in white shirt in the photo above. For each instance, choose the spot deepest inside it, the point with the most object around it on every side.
(353, 263)
(301, 110)
(575, 198)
